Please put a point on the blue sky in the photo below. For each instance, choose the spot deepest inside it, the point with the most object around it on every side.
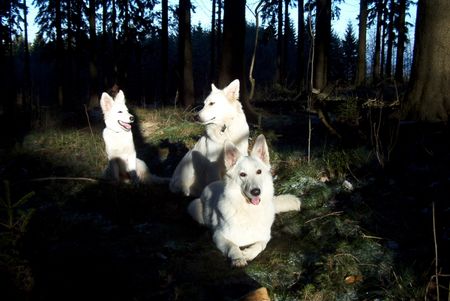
(349, 12)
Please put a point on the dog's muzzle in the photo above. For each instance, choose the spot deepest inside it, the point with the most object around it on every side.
(126, 126)
(254, 199)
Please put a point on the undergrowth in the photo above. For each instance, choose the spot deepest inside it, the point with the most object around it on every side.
(322, 253)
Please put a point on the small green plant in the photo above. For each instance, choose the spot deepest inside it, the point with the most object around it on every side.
(14, 217)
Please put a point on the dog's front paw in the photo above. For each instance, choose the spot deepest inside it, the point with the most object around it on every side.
(239, 262)
(249, 253)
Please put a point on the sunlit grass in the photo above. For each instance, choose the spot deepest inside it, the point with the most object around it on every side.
(321, 253)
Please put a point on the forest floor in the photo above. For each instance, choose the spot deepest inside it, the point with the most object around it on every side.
(365, 231)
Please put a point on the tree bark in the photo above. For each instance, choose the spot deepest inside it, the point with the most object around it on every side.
(27, 70)
(233, 59)
(93, 72)
(322, 44)
(284, 57)
(186, 82)
(301, 46)
(279, 70)
(59, 54)
(164, 50)
(377, 54)
(390, 41)
(361, 67)
(428, 95)
(400, 42)
(213, 42)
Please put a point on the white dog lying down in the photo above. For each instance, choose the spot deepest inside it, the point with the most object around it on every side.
(123, 165)
(240, 209)
(225, 120)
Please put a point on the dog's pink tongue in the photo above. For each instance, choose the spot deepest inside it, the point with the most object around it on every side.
(255, 200)
(125, 125)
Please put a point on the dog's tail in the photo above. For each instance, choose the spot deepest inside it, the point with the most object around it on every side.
(286, 202)
(195, 210)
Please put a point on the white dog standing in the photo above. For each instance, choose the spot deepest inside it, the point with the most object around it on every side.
(122, 161)
(225, 120)
(240, 209)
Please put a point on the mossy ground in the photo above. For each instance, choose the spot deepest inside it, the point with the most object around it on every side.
(76, 239)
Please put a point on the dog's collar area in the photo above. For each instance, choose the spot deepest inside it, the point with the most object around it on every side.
(110, 129)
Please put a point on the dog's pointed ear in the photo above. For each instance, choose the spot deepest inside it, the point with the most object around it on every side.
(231, 154)
(106, 102)
(232, 90)
(120, 97)
(213, 88)
(261, 150)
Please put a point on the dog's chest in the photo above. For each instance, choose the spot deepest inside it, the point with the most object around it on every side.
(118, 144)
(248, 224)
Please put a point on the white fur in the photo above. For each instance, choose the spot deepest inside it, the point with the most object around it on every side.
(225, 120)
(122, 160)
(239, 216)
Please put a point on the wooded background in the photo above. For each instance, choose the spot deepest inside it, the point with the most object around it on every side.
(151, 50)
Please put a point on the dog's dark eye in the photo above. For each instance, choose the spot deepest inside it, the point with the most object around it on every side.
(258, 172)
(242, 174)
(211, 103)
(120, 112)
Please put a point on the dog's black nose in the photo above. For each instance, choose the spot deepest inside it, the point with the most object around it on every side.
(196, 118)
(255, 191)
(131, 118)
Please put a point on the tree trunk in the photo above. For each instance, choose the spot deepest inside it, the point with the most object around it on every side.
(301, 46)
(255, 45)
(400, 42)
(186, 83)
(284, 58)
(213, 43)
(390, 41)
(59, 54)
(377, 54)
(233, 59)
(93, 72)
(164, 50)
(361, 67)
(322, 44)
(27, 71)
(428, 96)
(279, 69)
(219, 34)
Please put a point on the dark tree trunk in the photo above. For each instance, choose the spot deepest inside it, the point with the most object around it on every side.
(284, 58)
(279, 69)
(186, 83)
(27, 70)
(93, 72)
(322, 44)
(164, 50)
(301, 46)
(114, 41)
(390, 41)
(219, 34)
(233, 60)
(400, 42)
(377, 54)
(59, 54)
(213, 42)
(428, 96)
(361, 67)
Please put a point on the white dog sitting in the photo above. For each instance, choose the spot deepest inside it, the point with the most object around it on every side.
(240, 209)
(225, 120)
(123, 165)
